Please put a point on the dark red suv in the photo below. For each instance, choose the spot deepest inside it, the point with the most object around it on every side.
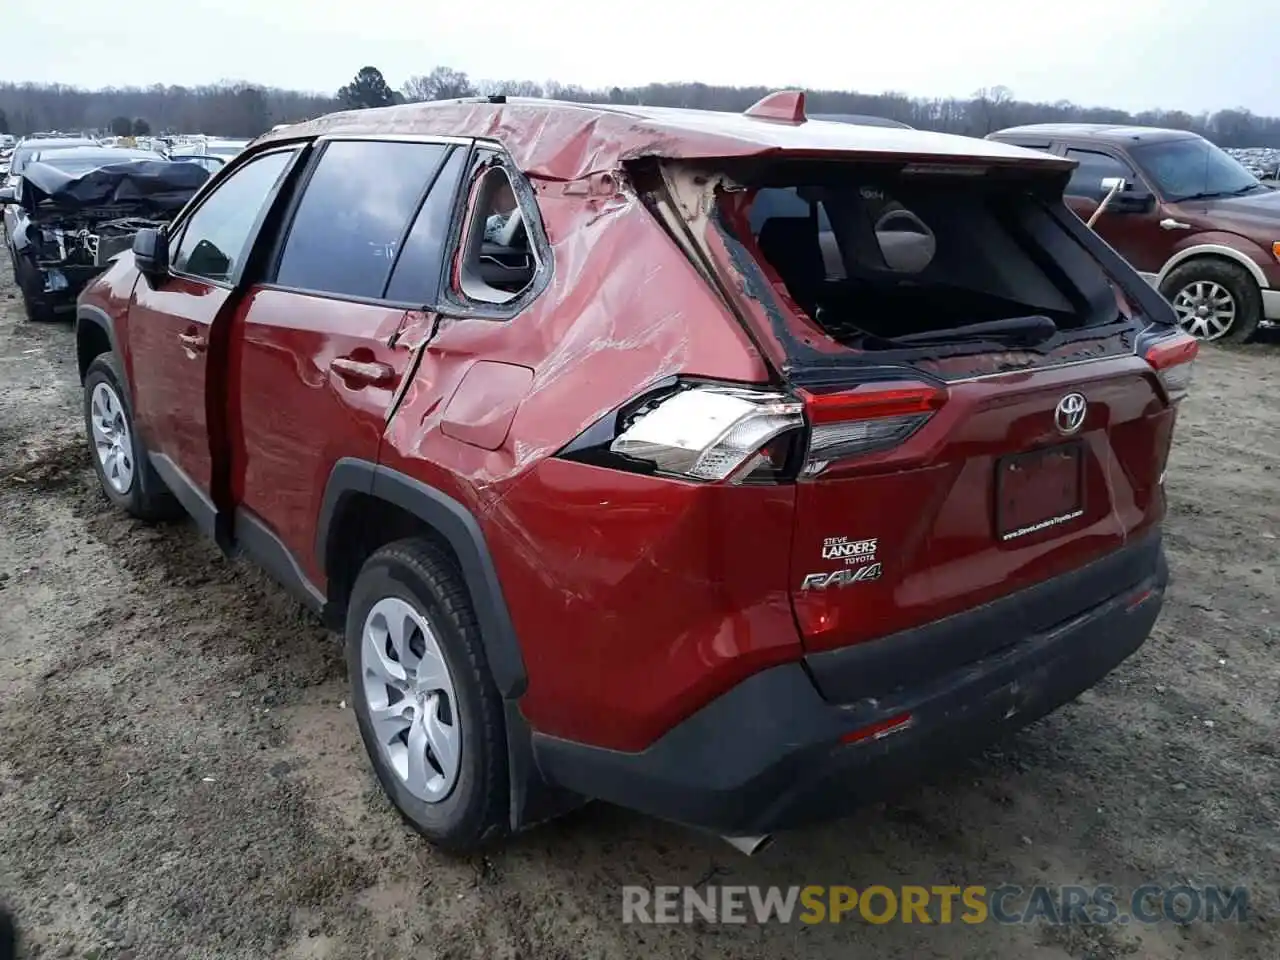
(728, 467)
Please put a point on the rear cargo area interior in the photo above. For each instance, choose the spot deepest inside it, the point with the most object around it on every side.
(885, 262)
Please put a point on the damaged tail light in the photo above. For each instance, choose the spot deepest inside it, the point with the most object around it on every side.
(1173, 358)
(717, 432)
(708, 432)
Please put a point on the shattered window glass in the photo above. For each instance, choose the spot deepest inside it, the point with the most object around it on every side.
(498, 261)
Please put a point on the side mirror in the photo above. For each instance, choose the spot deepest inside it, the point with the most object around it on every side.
(1127, 196)
(151, 252)
(8, 195)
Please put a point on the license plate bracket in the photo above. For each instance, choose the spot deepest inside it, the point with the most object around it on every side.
(1039, 491)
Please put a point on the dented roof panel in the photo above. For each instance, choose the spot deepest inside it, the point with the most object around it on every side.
(553, 140)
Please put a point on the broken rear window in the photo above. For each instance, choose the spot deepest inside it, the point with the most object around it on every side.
(882, 261)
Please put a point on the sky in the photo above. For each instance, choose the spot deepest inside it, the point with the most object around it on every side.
(1178, 54)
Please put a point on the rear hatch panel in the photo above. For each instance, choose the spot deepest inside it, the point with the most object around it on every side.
(931, 509)
(989, 494)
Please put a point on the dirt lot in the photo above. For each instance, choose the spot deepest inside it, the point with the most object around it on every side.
(179, 776)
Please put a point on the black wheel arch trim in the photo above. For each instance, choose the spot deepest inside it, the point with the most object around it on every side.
(455, 523)
(96, 316)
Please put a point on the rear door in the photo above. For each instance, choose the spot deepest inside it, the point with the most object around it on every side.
(1136, 235)
(172, 321)
(317, 363)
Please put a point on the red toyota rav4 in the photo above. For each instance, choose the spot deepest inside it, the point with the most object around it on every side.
(731, 468)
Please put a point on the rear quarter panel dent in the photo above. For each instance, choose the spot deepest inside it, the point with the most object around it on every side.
(624, 309)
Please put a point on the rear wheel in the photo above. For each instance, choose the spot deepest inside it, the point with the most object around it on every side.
(429, 712)
(1215, 300)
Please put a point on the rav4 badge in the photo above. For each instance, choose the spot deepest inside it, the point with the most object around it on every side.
(842, 578)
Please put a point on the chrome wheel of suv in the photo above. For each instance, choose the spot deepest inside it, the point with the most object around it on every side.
(1205, 309)
(412, 705)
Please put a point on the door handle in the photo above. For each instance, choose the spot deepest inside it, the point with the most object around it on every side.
(369, 373)
(1170, 224)
(193, 342)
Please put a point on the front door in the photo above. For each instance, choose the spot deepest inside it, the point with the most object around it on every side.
(171, 324)
(316, 362)
(1136, 235)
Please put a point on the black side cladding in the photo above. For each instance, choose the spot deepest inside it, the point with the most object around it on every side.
(162, 185)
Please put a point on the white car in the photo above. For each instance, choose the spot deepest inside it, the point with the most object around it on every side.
(211, 148)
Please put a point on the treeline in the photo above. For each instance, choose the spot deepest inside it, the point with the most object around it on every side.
(245, 110)
(224, 109)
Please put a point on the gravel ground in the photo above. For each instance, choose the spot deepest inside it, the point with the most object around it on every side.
(180, 777)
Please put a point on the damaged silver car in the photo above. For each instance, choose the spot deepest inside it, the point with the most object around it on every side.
(74, 209)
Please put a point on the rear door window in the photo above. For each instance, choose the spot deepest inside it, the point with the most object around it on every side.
(1086, 180)
(416, 276)
(352, 216)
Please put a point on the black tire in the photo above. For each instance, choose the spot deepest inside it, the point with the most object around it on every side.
(146, 498)
(475, 812)
(27, 276)
(1232, 277)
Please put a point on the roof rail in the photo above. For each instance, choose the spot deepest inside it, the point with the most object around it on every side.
(785, 106)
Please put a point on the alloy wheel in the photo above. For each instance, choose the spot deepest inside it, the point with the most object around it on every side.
(111, 438)
(410, 695)
(1205, 309)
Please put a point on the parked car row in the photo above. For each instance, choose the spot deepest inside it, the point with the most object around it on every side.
(1190, 218)
(875, 417)
(1262, 162)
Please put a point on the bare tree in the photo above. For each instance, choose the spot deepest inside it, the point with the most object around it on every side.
(991, 108)
(509, 88)
(442, 83)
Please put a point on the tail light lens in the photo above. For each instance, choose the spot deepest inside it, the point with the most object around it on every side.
(1173, 358)
(717, 432)
(869, 418)
(708, 432)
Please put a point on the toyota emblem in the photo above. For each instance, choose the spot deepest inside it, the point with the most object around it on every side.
(1069, 417)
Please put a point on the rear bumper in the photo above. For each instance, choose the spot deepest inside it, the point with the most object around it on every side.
(769, 754)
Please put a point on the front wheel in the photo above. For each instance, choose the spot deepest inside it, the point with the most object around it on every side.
(429, 712)
(1215, 300)
(27, 276)
(118, 458)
